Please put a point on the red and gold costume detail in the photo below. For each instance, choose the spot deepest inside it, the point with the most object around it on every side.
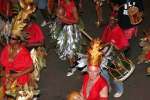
(95, 90)
(27, 8)
(21, 62)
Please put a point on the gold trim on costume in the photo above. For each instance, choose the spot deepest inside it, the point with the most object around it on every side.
(27, 8)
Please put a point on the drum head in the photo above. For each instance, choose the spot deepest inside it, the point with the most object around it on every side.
(120, 68)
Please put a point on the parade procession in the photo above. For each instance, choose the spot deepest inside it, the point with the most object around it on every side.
(74, 50)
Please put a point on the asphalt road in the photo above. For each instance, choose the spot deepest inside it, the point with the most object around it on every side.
(54, 84)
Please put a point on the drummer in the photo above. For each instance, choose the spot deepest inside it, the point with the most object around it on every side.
(120, 10)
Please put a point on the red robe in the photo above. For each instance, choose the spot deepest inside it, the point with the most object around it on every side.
(21, 62)
(95, 90)
(115, 36)
(36, 34)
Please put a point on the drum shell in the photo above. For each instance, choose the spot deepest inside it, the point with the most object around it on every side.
(134, 15)
(120, 69)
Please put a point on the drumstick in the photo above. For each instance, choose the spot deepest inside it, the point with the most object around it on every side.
(86, 34)
(90, 38)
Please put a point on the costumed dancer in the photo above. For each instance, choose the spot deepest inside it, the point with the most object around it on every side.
(17, 63)
(114, 67)
(106, 62)
(16, 59)
(67, 35)
(94, 86)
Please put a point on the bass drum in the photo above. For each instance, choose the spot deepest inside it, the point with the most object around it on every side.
(135, 15)
(120, 68)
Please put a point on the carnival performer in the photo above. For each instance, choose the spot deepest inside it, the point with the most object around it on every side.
(114, 34)
(121, 7)
(94, 85)
(109, 56)
(16, 59)
(17, 63)
(68, 36)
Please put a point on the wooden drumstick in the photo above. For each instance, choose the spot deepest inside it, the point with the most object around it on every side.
(86, 34)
